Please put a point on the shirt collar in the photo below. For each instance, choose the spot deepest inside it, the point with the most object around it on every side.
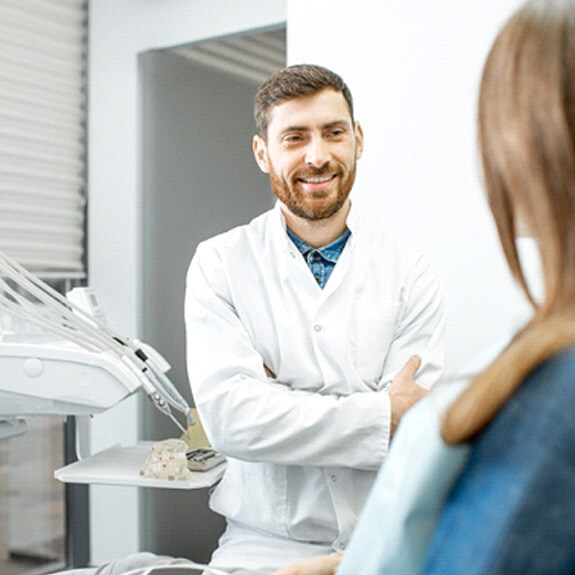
(331, 252)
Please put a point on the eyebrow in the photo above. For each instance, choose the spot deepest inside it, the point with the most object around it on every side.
(335, 123)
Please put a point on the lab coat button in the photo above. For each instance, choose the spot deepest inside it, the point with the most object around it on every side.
(317, 327)
(342, 546)
(334, 478)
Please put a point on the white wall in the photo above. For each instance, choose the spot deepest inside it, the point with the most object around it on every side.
(119, 31)
(413, 68)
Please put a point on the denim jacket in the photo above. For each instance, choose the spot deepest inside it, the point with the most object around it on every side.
(504, 505)
(512, 510)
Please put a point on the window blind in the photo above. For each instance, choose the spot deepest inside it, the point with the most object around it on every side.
(43, 46)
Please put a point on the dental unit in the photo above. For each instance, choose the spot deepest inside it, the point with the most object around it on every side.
(75, 364)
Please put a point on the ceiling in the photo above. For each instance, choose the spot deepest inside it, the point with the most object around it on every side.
(252, 56)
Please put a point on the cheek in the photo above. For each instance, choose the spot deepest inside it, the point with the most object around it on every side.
(346, 154)
(353, 154)
(285, 167)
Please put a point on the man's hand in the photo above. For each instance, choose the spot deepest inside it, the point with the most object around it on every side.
(404, 392)
(323, 565)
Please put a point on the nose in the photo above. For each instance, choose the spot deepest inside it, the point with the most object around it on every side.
(317, 152)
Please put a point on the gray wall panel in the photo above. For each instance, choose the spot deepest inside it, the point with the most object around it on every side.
(199, 178)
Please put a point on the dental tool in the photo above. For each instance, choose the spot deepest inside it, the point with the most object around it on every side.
(25, 296)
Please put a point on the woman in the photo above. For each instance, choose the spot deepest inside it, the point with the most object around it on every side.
(506, 462)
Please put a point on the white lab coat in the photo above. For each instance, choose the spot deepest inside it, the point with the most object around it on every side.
(303, 448)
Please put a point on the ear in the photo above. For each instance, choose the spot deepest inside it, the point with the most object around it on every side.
(358, 141)
(261, 154)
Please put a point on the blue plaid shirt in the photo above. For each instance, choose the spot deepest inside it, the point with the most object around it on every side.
(321, 261)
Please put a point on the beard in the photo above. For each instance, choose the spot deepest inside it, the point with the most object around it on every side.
(313, 206)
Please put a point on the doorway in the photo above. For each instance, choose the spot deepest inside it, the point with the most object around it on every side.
(199, 178)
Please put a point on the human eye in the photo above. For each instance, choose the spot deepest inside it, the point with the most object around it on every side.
(293, 138)
(336, 132)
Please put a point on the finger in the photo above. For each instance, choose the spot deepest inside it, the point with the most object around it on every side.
(412, 365)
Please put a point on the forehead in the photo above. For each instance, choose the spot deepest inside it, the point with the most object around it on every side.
(320, 109)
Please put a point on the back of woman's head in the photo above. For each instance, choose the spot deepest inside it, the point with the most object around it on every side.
(527, 143)
(527, 140)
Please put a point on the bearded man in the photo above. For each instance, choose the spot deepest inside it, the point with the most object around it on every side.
(310, 332)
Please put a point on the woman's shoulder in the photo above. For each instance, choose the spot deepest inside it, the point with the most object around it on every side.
(559, 368)
(535, 426)
(547, 396)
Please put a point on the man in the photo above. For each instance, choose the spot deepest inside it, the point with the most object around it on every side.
(297, 325)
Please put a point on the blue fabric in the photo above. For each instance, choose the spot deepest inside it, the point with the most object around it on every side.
(512, 510)
(321, 261)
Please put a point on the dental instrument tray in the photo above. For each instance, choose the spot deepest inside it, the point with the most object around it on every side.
(121, 465)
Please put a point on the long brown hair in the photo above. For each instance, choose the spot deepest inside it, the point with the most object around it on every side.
(526, 127)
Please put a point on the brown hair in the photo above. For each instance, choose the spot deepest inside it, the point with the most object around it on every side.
(295, 82)
(527, 141)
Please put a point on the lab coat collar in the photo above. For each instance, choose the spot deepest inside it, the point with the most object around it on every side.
(340, 270)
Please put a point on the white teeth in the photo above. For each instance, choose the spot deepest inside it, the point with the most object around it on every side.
(317, 180)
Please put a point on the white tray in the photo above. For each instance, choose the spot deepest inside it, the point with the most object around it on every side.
(121, 466)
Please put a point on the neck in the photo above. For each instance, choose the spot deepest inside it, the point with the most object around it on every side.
(318, 233)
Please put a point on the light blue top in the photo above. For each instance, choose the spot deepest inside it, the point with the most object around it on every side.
(400, 514)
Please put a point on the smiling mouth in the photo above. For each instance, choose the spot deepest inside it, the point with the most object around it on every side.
(317, 179)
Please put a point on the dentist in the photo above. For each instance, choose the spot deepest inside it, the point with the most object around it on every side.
(310, 332)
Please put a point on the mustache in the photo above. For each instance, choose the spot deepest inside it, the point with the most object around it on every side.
(318, 172)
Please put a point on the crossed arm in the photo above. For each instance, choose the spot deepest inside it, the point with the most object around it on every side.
(403, 392)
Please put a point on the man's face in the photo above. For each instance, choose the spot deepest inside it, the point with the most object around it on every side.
(310, 154)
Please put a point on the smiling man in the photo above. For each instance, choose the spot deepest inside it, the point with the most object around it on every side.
(310, 150)
(310, 332)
